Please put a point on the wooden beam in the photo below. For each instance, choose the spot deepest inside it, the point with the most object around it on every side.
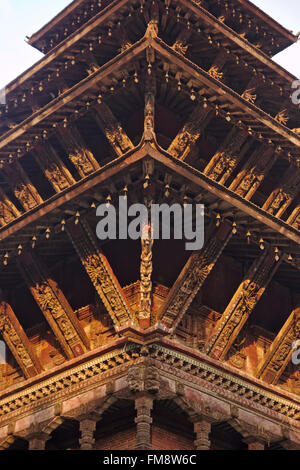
(77, 151)
(100, 272)
(54, 169)
(254, 171)
(227, 157)
(191, 131)
(279, 354)
(280, 199)
(112, 129)
(54, 305)
(17, 341)
(242, 305)
(21, 186)
(194, 273)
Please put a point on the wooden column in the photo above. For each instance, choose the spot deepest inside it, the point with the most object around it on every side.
(81, 157)
(112, 129)
(17, 341)
(202, 429)
(193, 275)
(53, 305)
(254, 444)
(281, 350)
(87, 429)
(143, 420)
(99, 271)
(280, 199)
(21, 186)
(55, 170)
(242, 304)
(227, 157)
(37, 441)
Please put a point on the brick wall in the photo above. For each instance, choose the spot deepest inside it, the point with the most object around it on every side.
(168, 440)
(122, 440)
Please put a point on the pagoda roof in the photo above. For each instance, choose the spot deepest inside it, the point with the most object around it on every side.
(77, 7)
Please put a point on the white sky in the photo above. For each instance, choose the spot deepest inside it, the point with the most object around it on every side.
(24, 17)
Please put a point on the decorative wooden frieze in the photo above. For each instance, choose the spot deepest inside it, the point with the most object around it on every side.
(112, 129)
(22, 187)
(8, 211)
(54, 305)
(99, 271)
(17, 341)
(55, 171)
(190, 132)
(81, 157)
(281, 350)
(294, 218)
(280, 199)
(227, 157)
(242, 304)
(254, 171)
(193, 275)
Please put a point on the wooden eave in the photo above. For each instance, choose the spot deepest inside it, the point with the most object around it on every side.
(237, 43)
(257, 119)
(68, 200)
(273, 24)
(66, 45)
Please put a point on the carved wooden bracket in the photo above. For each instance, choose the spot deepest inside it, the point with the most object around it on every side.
(53, 305)
(100, 272)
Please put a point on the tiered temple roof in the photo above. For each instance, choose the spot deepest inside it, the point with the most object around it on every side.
(157, 101)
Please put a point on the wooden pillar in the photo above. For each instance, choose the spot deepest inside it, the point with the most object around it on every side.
(87, 429)
(255, 444)
(202, 429)
(37, 441)
(143, 420)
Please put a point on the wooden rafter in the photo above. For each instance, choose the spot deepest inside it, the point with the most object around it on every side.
(54, 305)
(77, 150)
(100, 272)
(112, 129)
(281, 350)
(53, 167)
(18, 342)
(242, 305)
(194, 273)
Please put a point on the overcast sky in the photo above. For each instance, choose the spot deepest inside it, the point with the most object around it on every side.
(21, 18)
